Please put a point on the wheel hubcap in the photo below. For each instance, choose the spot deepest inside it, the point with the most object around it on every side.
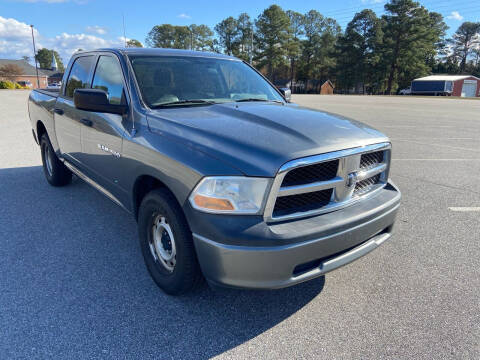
(48, 160)
(162, 243)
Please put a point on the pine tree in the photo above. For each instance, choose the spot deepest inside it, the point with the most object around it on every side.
(294, 45)
(228, 33)
(318, 55)
(465, 41)
(358, 52)
(411, 36)
(271, 38)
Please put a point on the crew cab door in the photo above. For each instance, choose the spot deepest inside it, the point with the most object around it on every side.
(102, 133)
(67, 118)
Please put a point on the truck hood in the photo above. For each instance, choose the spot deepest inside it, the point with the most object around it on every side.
(258, 138)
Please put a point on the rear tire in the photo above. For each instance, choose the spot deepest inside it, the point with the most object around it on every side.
(166, 243)
(55, 171)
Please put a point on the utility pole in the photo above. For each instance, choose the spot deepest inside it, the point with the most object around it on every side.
(35, 57)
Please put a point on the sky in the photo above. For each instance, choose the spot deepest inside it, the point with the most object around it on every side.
(67, 25)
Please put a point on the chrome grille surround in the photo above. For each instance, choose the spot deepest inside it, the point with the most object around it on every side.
(349, 173)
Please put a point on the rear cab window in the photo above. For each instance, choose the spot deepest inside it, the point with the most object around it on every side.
(79, 77)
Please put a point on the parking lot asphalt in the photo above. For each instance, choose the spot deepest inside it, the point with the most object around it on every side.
(73, 283)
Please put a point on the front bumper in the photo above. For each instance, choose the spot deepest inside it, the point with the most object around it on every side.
(248, 253)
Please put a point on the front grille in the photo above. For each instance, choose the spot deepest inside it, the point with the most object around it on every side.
(371, 159)
(287, 205)
(363, 186)
(312, 173)
(327, 182)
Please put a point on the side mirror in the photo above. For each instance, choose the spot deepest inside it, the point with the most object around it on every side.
(287, 93)
(96, 100)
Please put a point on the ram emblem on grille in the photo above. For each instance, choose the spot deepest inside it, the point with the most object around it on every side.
(351, 180)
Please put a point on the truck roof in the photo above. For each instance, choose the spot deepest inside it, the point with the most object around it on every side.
(163, 52)
(445, 78)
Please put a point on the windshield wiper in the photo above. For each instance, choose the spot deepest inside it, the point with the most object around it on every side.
(257, 99)
(183, 102)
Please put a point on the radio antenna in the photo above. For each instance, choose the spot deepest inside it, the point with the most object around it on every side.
(124, 37)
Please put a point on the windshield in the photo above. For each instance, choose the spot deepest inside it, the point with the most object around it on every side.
(186, 80)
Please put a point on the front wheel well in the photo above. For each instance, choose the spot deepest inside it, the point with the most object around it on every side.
(143, 185)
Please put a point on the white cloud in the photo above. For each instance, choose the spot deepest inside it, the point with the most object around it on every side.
(16, 41)
(184, 16)
(96, 29)
(15, 38)
(455, 15)
(66, 44)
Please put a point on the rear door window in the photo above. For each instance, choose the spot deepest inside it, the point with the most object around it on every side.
(109, 78)
(79, 77)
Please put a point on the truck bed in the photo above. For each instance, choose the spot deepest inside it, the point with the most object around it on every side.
(50, 92)
(40, 106)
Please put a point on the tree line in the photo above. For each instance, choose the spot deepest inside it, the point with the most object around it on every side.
(375, 55)
(372, 55)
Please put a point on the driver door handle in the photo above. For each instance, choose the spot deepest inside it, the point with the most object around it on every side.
(86, 122)
(58, 111)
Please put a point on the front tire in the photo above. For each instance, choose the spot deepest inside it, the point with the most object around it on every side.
(55, 171)
(166, 243)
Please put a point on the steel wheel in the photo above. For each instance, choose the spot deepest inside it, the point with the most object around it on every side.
(162, 243)
(47, 153)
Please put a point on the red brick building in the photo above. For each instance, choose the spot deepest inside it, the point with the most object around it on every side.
(28, 73)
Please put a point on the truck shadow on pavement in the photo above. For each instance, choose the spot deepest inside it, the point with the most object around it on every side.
(74, 284)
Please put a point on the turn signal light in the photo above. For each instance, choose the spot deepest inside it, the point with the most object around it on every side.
(212, 203)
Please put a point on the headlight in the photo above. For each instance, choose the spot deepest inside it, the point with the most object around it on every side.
(228, 194)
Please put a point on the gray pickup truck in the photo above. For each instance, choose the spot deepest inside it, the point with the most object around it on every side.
(226, 178)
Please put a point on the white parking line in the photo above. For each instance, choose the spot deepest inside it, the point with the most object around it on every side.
(439, 145)
(465, 209)
(436, 160)
(400, 126)
(430, 138)
(416, 126)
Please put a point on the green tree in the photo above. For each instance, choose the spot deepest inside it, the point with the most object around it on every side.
(358, 52)
(476, 54)
(411, 38)
(134, 43)
(44, 59)
(182, 37)
(465, 42)
(245, 37)
(318, 55)
(228, 33)
(294, 45)
(445, 65)
(26, 58)
(201, 37)
(271, 38)
(169, 36)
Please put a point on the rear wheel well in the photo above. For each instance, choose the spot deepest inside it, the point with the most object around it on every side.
(143, 185)
(40, 130)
